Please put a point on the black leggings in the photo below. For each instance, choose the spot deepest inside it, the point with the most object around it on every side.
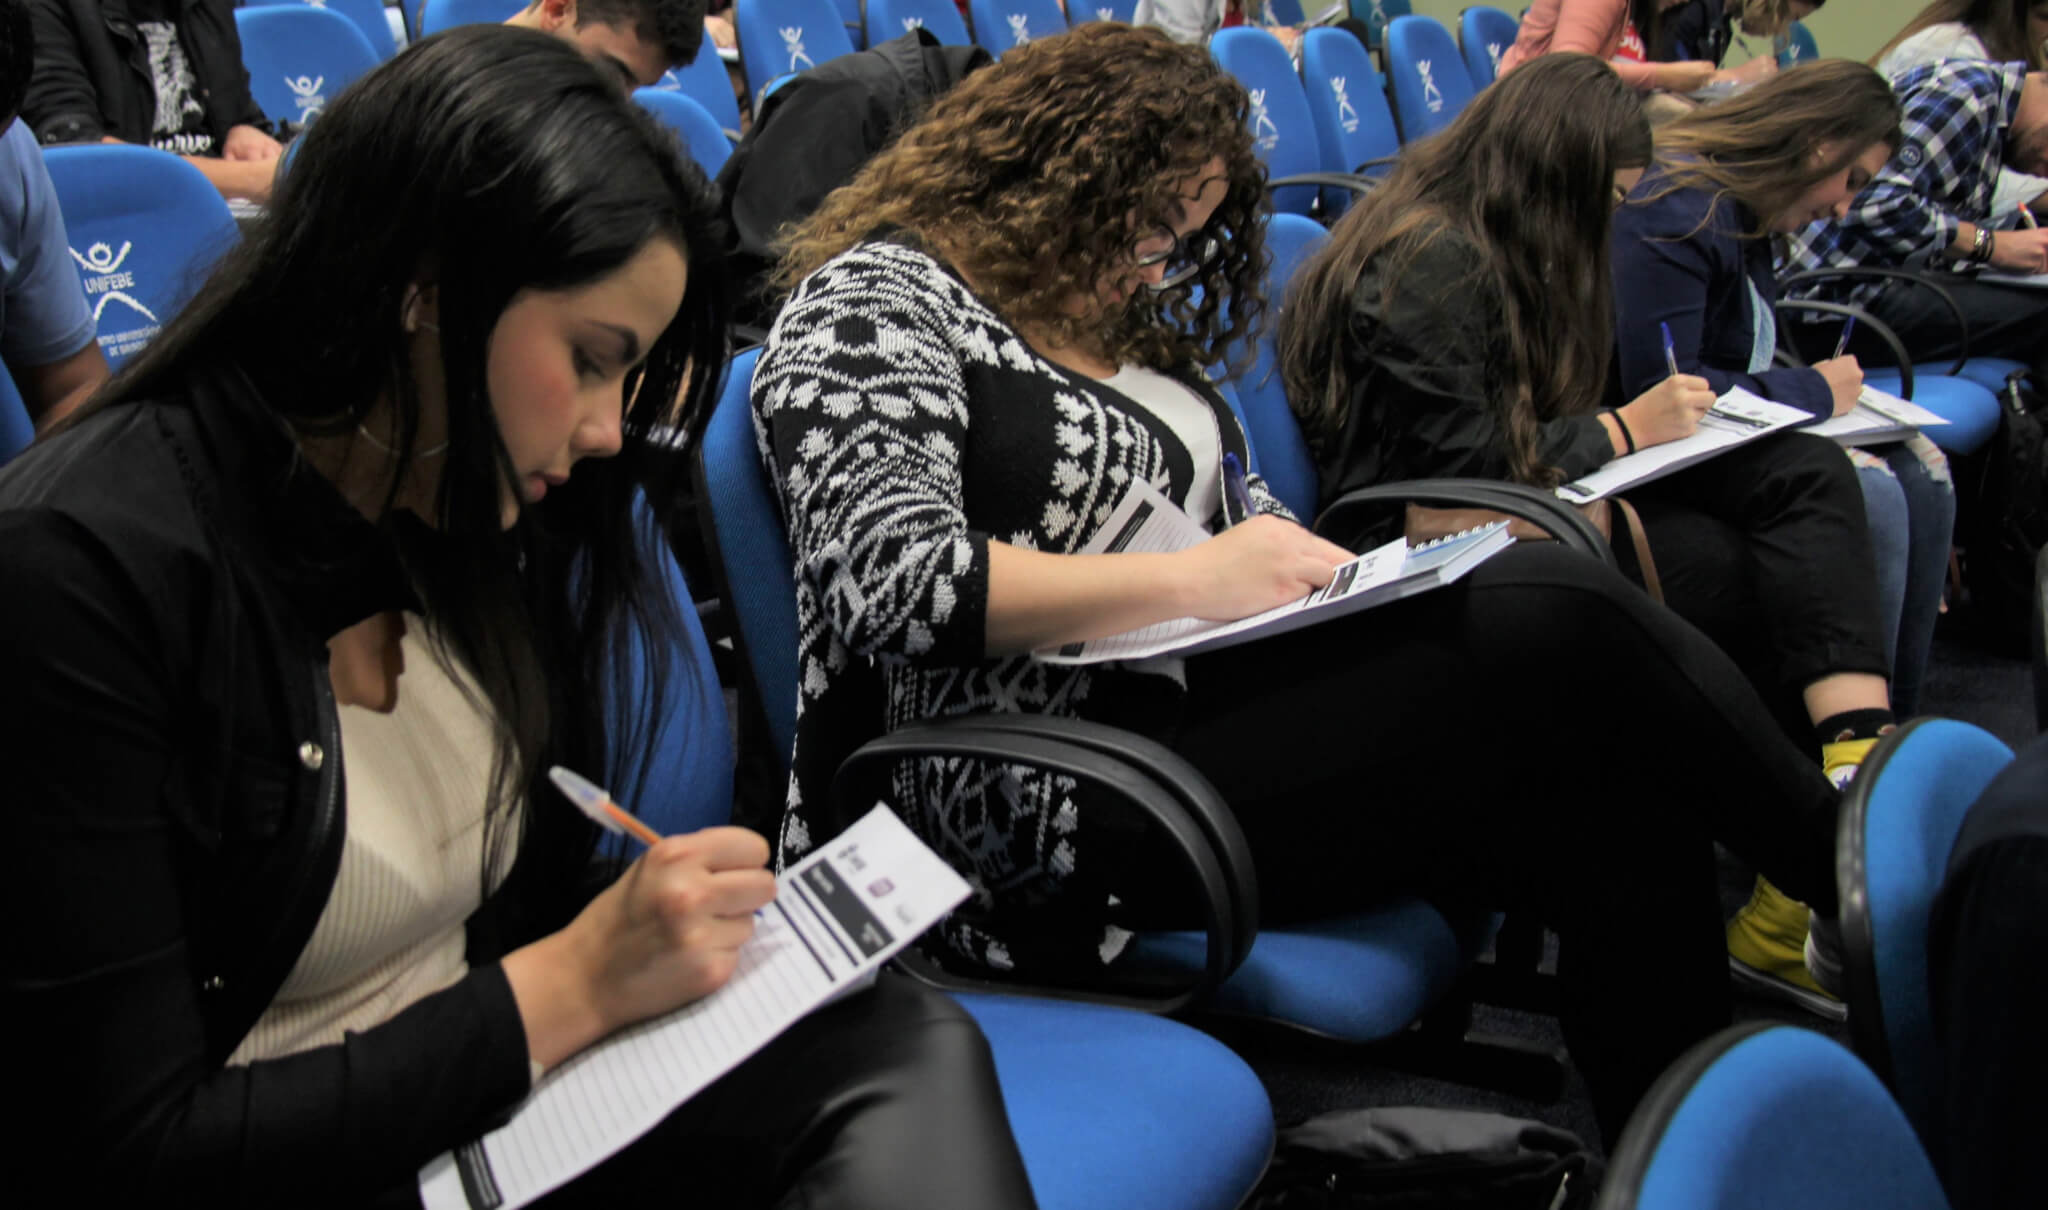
(886, 1099)
(1539, 737)
(1767, 550)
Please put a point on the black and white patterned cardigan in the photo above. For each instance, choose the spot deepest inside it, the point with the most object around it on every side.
(906, 426)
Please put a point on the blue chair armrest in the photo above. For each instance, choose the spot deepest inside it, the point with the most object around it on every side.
(1334, 180)
(1172, 795)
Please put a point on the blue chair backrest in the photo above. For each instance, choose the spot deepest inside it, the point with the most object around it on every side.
(1769, 1118)
(894, 18)
(366, 15)
(687, 784)
(1898, 825)
(1485, 35)
(1281, 453)
(760, 570)
(1282, 131)
(1430, 83)
(15, 430)
(437, 15)
(1002, 24)
(1081, 12)
(705, 82)
(299, 58)
(145, 228)
(1799, 46)
(853, 21)
(781, 37)
(1376, 15)
(1347, 107)
(700, 132)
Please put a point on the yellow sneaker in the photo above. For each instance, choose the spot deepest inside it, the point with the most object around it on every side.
(1767, 952)
(1840, 760)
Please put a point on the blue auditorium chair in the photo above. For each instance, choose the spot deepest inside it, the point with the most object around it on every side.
(853, 19)
(1000, 25)
(1897, 827)
(1485, 34)
(894, 18)
(437, 15)
(1283, 129)
(1769, 1117)
(700, 131)
(1080, 12)
(705, 82)
(1112, 1108)
(1799, 46)
(299, 58)
(145, 228)
(1347, 104)
(779, 38)
(367, 16)
(1431, 85)
(15, 430)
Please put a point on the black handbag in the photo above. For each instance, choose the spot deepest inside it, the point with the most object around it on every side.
(1413, 1157)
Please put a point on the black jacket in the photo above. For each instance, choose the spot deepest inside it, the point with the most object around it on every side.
(92, 74)
(172, 821)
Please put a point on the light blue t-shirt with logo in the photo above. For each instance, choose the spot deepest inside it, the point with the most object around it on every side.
(44, 317)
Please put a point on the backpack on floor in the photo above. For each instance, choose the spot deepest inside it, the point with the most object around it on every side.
(1417, 1158)
(2003, 491)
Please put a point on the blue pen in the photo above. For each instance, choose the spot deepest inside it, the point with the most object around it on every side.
(1848, 326)
(1670, 354)
(1233, 482)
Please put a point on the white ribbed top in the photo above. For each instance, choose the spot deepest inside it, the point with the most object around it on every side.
(418, 781)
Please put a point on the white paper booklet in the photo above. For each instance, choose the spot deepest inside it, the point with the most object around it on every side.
(1876, 419)
(1145, 520)
(838, 915)
(2030, 281)
(1736, 418)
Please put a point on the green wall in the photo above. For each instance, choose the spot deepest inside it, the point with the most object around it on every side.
(1843, 28)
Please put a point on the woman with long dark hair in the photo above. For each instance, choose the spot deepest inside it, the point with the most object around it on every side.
(993, 331)
(312, 596)
(1461, 322)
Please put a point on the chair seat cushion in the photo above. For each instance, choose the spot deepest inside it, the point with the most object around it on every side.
(1114, 1109)
(1969, 407)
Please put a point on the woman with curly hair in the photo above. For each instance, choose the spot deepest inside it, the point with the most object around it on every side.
(996, 328)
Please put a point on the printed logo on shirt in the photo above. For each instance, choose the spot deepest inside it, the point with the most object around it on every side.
(793, 42)
(1347, 117)
(1432, 96)
(177, 101)
(1264, 132)
(1018, 34)
(306, 94)
(1911, 155)
(100, 272)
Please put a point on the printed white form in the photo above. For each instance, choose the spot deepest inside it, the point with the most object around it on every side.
(1736, 418)
(838, 915)
(1877, 418)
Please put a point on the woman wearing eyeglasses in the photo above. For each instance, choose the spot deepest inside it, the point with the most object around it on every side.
(996, 329)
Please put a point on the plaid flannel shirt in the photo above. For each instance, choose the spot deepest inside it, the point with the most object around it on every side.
(1956, 114)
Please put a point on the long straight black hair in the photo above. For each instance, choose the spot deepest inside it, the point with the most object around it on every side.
(486, 161)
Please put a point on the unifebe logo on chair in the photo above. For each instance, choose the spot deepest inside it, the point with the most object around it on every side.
(105, 281)
(1347, 116)
(1432, 96)
(793, 42)
(306, 94)
(1019, 35)
(1264, 132)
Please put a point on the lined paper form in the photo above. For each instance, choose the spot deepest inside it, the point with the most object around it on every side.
(837, 916)
(1878, 417)
(1737, 417)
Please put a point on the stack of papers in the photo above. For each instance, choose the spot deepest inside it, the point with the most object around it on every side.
(1737, 418)
(1876, 419)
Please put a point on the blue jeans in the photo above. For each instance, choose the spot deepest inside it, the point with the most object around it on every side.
(1911, 504)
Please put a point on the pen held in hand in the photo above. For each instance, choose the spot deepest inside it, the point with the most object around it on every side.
(2027, 218)
(1670, 353)
(1234, 483)
(1848, 326)
(598, 804)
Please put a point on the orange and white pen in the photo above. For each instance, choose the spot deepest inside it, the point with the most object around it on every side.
(597, 803)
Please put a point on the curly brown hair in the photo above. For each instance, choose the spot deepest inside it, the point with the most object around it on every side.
(1036, 176)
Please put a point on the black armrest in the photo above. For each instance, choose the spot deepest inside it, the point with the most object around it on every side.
(2039, 639)
(1921, 280)
(1539, 508)
(1883, 330)
(1177, 800)
(1375, 162)
(1335, 180)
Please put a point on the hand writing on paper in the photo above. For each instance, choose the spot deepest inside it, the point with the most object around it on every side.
(1669, 411)
(2020, 251)
(1845, 381)
(1254, 566)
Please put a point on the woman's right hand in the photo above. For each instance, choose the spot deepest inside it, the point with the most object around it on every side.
(666, 933)
(1845, 381)
(1684, 77)
(1253, 566)
(1669, 411)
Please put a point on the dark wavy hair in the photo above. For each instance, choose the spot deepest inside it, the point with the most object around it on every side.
(1526, 176)
(676, 26)
(1035, 176)
(1759, 148)
(489, 161)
